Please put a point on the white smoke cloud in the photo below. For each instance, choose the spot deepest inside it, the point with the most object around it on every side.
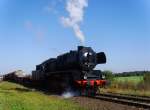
(75, 8)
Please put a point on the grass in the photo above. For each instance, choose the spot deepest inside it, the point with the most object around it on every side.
(132, 85)
(17, 97)
(134, 79)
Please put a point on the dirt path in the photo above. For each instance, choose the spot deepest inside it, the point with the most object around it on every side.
(95, 104)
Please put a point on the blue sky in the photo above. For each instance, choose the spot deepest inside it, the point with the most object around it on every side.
(31, 32)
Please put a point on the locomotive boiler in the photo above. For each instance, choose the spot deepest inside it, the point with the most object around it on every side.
(74, 70)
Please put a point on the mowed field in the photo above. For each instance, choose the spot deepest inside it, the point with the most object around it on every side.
(16, 97)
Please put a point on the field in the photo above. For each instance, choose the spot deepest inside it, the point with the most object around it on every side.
(132, 85)
(134, 79)
(17, 97)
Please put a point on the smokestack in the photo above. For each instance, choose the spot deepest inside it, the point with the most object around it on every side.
(80, 47)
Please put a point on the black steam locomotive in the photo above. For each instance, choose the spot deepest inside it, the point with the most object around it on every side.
(71, 70)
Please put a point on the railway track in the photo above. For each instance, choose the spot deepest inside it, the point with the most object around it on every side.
(124, 99)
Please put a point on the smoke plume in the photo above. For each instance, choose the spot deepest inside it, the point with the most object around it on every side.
(75, 8)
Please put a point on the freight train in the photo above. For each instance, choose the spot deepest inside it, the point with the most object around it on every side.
(73, 70)
(17, 76)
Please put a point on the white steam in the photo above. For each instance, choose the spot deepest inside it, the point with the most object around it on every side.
(75, 8)
(68, 94)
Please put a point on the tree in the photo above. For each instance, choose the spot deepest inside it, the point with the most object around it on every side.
(108, 75)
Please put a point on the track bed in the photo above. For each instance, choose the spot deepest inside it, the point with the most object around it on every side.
(99, 104)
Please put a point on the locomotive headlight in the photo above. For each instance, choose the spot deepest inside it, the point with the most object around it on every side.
(86, 54)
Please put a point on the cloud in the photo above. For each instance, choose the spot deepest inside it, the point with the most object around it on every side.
(75, 8)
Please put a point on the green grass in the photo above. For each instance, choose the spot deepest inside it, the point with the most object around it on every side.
(134, 79)
(17, 97)
(133, 85)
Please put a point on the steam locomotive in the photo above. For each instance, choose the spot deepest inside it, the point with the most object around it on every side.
(73, 70)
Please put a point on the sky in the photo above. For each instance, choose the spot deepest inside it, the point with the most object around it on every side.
(32, 31)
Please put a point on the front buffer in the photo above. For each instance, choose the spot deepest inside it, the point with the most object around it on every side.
(89, 85)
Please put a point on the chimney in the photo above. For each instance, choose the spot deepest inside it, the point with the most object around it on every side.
(80, 48)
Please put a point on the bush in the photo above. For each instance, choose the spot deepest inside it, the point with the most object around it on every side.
(108, 75)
